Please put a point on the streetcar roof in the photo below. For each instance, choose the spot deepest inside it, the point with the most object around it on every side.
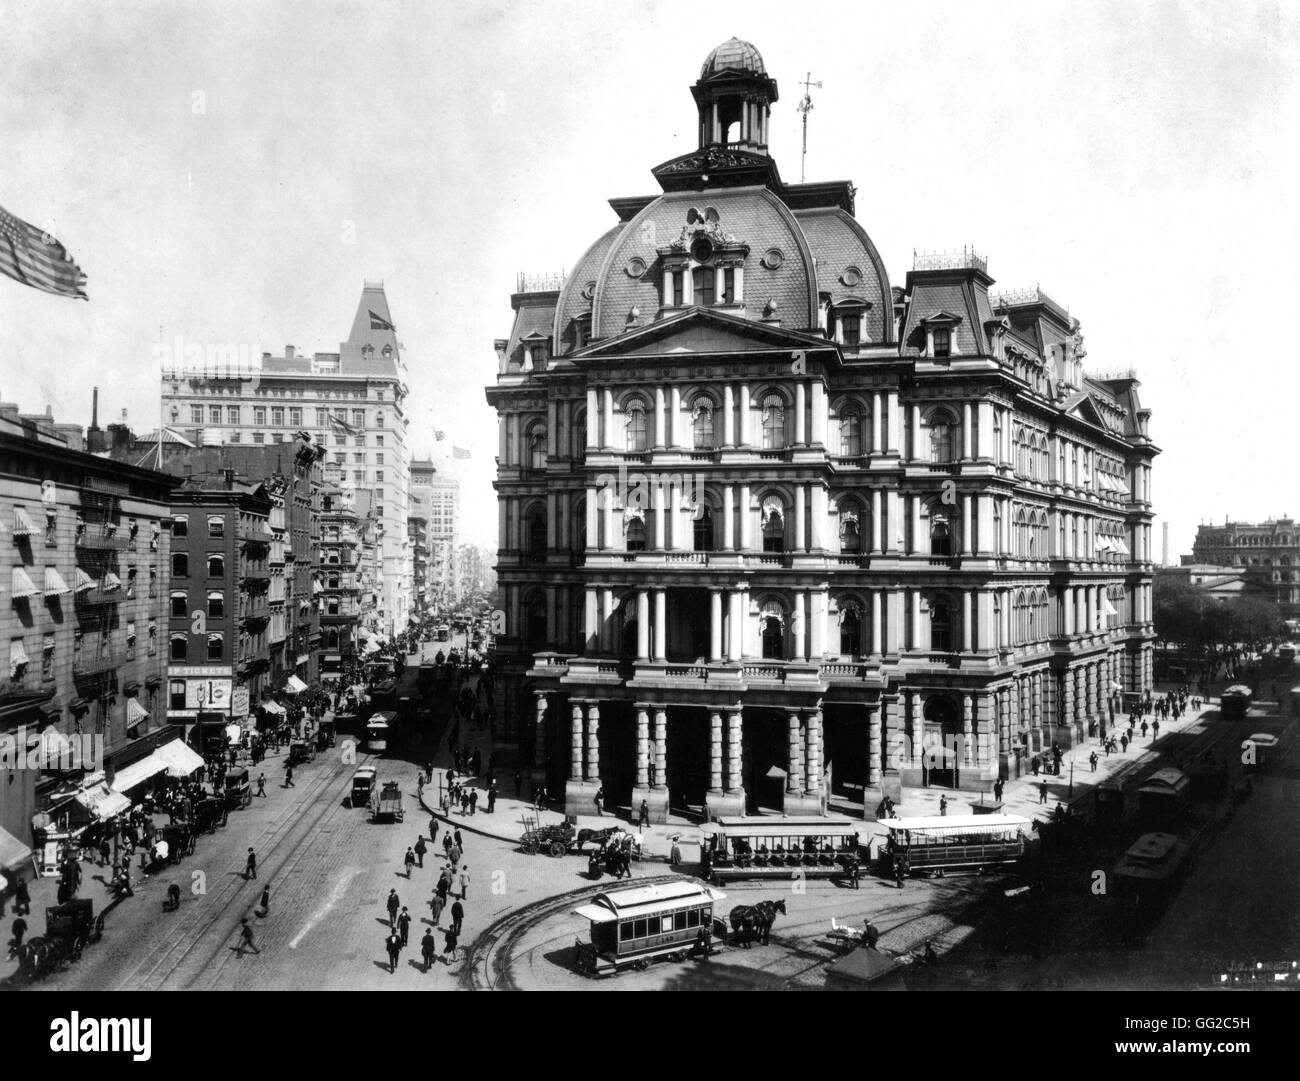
(647, 900)
(788, 825)
(966, 823)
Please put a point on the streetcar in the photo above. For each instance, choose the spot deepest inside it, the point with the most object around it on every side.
(1234, 703)
(379, 731)
(936, 844)
(765, 846)
(633, 927)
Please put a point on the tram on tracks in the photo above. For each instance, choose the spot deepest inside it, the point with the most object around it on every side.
(936, 844)
(633, 927)
(763, 846)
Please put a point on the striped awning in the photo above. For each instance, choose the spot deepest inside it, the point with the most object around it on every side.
(84, 581)
(111, 582)
(23, 524)
(135, 713)
(23, 586)
(13, 853)
(55, 586)
(17, 656)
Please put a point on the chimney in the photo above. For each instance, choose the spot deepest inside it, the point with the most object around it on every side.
(94, 410)
(230, 478)
(288, 352)
(1164, 561)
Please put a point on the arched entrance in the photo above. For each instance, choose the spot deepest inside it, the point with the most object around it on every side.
(764, 762)
(940, 742)
(687, 757)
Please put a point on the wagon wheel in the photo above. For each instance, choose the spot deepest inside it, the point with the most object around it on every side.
(78, 944)
(530, 847)
(641, 965)
(558, 848)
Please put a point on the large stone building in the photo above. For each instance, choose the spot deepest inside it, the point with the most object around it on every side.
(1266, 553)
(352, 402)
(441, 495)
(774, 532)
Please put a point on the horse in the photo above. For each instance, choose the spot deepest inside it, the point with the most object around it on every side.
(755, 921)
(601, 837)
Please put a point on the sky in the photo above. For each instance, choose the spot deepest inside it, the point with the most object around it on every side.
(232, 172)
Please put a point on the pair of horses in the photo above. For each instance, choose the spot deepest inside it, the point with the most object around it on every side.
(749, 922)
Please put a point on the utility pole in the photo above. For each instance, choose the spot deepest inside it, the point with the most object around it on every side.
(805, 107)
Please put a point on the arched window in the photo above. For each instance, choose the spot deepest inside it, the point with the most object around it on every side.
(216, 525)
(635, 535)
(216, 604)
(535, 628)
(578, 442)
(940, 627)
(216, 566)
(941, 429)
(216, 643)
(773, 422)
(635, 425)
(773, 531)
(180, 565)
(179, 647)
(578, 527)
(850, 534)
(179, 603)
(850, 630)
(537, 448)
(702, 425)
(772, 631)
(940, 533)
(851, 433)
(704, 531)
(537, 532)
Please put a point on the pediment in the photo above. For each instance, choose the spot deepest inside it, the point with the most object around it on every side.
(702, 332)
(1085, 408)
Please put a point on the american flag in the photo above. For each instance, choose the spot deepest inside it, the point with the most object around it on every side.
(460, 452)
(35, 258)
(439, 436)
(339, 422)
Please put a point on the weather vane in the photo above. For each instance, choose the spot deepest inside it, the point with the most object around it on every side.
(805, 107)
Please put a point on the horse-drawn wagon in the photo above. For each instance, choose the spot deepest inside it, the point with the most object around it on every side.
(554, 840)
(69, 927)
(389, 802)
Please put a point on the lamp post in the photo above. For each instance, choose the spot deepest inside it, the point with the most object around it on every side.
(1070, 794)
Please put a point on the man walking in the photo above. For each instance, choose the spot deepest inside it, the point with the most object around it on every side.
(473, 800)
(464, 883)
(899, 873)
(394, 944)
(453, 857)
(394, 903)
(409, 861)
(1042, 791)
(404, 926)
(429, 949)
(449, 938)
(1092, 761)
(457, 916)
(420, 849)
(438, 903)
(250, 866)
(246, 938)
(600, 795)
(492, 797)
(261, 785)
(643, 816)
(288, 777)
(433, 829)
(943, 805)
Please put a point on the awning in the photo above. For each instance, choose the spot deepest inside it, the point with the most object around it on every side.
(181, 760)
(23, 586)
(137, 773)
(55, 586)
(23, 524)
(294, 685)
(111, 582)
(234, 733)
(13, 853)
(1106, 607)
(1103, 544)
(274, 707)
(135, 713)
(84, 581)
(1121, 546)
(316, 586)
(17, 656)
(102, 802)
(55, 747)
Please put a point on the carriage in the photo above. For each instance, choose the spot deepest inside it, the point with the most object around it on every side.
(389, 803)
(325, 735)
(781, 846)
(180, 841)
(208, 814)
(935, 844)
(69, 927)
(632, 928)
(239, 792)
(554, 840)
(301, 750)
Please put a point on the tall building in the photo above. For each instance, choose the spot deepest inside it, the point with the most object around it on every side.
(352, 403)
(1267, 553)
(343, 613)
(474, 572)
(442, 495)
(83, 623)
(775, 532)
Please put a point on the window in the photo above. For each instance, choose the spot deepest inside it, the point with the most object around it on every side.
(216, 525)
(940, 534)
(196, 414)
(636, 535)
(359, 475)
(851, 329)
(153, 637)
(259, 415)
(851, 433)
(181, 525)
(179, 603)
(850, 631)
(676, 299)
(379, 459)
(360, 440)
(704, 531)
(216, 643)
(379, 420)
(940, 439)
(942, 342)
(536, 449)
(702, 425)
(322, 418)
(340, 439)
(773, 636)
(774, 532)
(277, 416)
(940, 627)
(635, 426)
(236, 437)
(379, 476)
(180, 565)
(537, 532)
(216, 566)
(216, 604)
(295, 417)
(259, 437)
(176, 693)
(379, 440)
(850, 536)
(773, 422)
(703, 279)
(358, 418)
(47, 655)
(214, 414)
(729, 286)
(179, 647)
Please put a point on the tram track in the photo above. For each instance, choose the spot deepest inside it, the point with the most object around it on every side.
(181, 945)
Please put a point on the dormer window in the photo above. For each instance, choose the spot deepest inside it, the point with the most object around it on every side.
(938, 328)
(703, 279)
(942, 342)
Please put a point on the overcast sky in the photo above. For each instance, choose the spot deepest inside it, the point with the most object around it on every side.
(202, 161)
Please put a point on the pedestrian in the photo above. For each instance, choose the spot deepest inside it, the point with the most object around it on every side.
(457, 916)
(409, 860)
(266, 899)
(433, 829)
(261, 784)
(288, 777)
(250, 866)
(1155, 730)
(428, 949)
(473, 801)
(419, 786)
(1042, 791)
(943, 805)
(449, 938)
(394, 903)
(492, 797)
(1092, 761)
(444, 882)
(404, 926)
(446, 844)
(1035, 765)
(1123, 743)
(464, 883)
(394, 944)
(454, 856)
(899, 874)
(643, 816)
(464, 803)
(460, 845)
(675, 853)
(246, 940)
(519, 783)
(1144, 729)
(437, 904)
(420, 849)
(600, 795)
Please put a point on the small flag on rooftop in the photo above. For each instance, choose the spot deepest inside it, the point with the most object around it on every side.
(339, 422)
(460, 452)
(35, 258)
(439, 436)
(378, 322)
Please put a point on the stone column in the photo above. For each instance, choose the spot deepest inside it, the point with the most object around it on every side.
(914, 724)
(661, 749)
(715, 752)
(715, 625)
(607, 434)
(967, 727)
(746, 518)
(916, 451)
(817, 407)
(876, 522)
(819, 603)
(607, 513)
(813, 782)
(539, 734)
(592, 627)
(916, 541)
(800, 409)
(965, 432)
(877, 423)
(661, 624)
(735, 628)
(642, 625)
(735, 743)
(657, 497)
(607, 643)
(593, 518)
(893, 444)
(743, 432)
(799, 626)
(728, 518)
(575, 744)
(593, 742)
(793, 756)
(967, 641)
(873, 746)
(642, 745)
(728, 417)
(967, 525)
(800, 518)
(877, 643)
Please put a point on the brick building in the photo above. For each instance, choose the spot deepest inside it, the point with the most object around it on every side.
(1267, 554)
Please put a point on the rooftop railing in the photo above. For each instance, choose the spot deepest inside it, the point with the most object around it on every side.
(966, 258)
(540, 283)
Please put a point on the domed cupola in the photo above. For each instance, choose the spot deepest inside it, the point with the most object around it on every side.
(734, 95)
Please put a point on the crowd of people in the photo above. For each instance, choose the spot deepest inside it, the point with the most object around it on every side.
(452, 886)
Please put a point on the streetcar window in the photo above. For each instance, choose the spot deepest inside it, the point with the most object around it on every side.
(641, 928)
(625, 932)
(665, 924)
(679, 921)
(693, 918)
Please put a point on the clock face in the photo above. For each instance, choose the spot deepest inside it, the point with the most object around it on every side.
(702, 250)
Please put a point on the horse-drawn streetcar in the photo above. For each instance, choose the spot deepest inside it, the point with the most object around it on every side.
(633, 927)
(936, 844)
(781, 846)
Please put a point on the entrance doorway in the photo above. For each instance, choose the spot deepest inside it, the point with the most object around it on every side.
(940, 763)
(846, 751)
(765, 761)
(688, 757)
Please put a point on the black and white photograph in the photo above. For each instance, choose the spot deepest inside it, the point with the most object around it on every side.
(770, 497)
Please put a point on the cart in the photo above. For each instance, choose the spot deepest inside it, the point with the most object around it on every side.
(326, 735)
(239, 792)
(68, 929)
(301, 750)
(389, 804)
(180, 841)
(553, 840)
(208, 814)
